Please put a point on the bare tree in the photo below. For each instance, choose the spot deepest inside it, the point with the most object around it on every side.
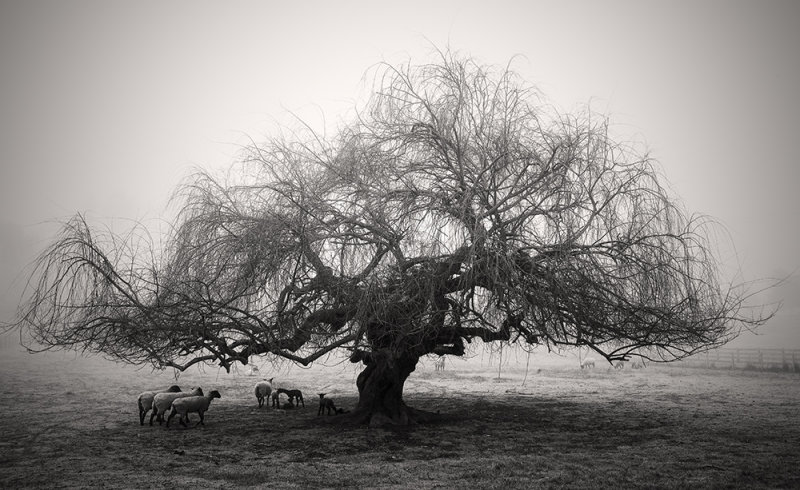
(457, 205)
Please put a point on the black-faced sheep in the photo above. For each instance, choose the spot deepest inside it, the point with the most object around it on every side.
(145, 400)
(163, 401)
(263, 390)
(295, 397)
(192, 404)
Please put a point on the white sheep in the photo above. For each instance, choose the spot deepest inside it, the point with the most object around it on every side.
(263, 391)
(587, 363)
(163, 401)
(192, 404)
(145, 400)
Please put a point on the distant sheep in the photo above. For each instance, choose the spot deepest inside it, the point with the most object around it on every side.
(295, 397)
(439, 364)
(263, 390)
(192, 404)
(588, 363)
(619, 365)
(163, 401)
(145, 400)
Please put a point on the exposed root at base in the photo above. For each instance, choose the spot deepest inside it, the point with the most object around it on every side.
(408, 417)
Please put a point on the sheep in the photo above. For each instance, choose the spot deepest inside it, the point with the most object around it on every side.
(192, 404)
(439, 364)
(263, 390)
(619, 365)
(587, 363)
(327, 404)
(145, 400)
(295, 395)
(162, 402)
(276, 402)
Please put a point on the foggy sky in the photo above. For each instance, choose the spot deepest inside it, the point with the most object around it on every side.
(106, 106)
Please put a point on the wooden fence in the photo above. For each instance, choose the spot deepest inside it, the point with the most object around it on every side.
(761, 359)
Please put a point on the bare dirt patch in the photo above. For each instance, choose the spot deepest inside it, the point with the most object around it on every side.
(72, 423)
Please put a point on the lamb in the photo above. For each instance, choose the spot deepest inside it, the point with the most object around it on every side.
(327, 404)
(163, 401)
(295, 395)
(263, 390)
(145, 400)
(192, 404)
(587, 363)
(276, 401)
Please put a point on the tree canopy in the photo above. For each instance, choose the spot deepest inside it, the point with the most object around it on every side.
(455, 205)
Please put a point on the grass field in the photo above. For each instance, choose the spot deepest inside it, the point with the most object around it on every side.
(72, 422)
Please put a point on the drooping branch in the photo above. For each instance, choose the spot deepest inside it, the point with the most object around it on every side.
(456, 206)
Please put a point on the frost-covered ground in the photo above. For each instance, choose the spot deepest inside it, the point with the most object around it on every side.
(528, 422)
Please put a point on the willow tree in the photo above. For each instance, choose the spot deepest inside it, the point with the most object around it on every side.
(455, 206)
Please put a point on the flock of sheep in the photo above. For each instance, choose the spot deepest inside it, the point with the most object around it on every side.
(173, 401)
(265, 391)
(589, 362)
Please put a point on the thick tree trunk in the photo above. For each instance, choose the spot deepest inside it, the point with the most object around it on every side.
(380, 389)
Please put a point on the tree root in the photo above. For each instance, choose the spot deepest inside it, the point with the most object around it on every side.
(408, 417)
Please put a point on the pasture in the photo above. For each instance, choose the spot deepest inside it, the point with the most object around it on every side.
(73, 422)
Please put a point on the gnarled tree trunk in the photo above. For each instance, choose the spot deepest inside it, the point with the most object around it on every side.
(380, 389)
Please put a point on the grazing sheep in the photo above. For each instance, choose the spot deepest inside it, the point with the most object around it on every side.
(587, 363)
(163, 401)
(327, 404)
(263, 391)
(192, 404)
(145, 400)
(619, 365)
(295, 395)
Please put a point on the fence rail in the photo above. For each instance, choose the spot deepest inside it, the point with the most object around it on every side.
(761, 359)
